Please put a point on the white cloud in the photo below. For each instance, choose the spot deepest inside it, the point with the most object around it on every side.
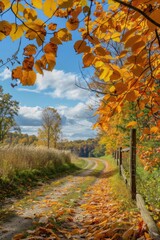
(30, 112)
(6, 74)
(61, 85)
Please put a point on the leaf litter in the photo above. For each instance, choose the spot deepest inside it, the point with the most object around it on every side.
(98, 215)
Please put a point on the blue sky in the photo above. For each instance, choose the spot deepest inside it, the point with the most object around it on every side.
(55, 89)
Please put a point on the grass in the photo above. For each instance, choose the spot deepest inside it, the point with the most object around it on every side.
(120, 191)
(22, 168)
(148, 185)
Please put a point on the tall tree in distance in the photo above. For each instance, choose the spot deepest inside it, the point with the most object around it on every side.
(8, 110)
(51, 127)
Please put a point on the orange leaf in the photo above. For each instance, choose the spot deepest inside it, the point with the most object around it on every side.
(80, 46)
(30, 50)
(72, 24)
(154, 129)
(88, 59)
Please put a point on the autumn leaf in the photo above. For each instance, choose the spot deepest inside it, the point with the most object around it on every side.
(154, 129)
(65, 3)
(17, 32)
(52, 26)
(80, 46)
(72, 24)
(131, 124)
(155, 16)
(88, 59)
(37, 4)
(30, 50)
(49, 8)
(28, 78)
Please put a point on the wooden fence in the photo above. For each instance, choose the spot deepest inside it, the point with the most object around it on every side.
(131, 182)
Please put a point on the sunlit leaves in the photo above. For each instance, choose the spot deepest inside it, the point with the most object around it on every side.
(17, 31)
(37, 3)
(49, 7)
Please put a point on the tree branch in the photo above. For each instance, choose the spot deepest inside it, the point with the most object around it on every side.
(138, 10)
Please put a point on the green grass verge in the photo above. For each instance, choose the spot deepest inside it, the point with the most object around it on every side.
(25, 180)
(120, 190)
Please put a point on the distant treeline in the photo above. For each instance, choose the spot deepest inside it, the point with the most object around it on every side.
(82, 148)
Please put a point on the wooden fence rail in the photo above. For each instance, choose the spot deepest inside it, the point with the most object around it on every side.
(131, 182)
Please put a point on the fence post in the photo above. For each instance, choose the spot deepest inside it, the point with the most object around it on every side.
(117, 155)
(133, 164)
(120, 160)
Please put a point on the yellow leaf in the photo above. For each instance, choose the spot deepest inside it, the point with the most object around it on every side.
(112, 2)
(83, 2)
(107, 72)
(49, 7)
(112, 89)
(72, 24)
(116, 36)
(4, 5)
(88, 59)
(17, 31)
(131, 124)
(2, 36)
(98, 64)
(37, 4)
(17, 9)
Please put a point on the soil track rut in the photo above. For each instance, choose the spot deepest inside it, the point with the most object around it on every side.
(41, 206)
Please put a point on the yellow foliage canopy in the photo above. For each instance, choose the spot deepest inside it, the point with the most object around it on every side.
(123, 46)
